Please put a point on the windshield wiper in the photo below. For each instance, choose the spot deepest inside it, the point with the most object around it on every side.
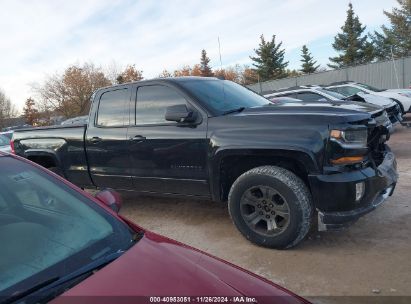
(42, 288)
(236, 110)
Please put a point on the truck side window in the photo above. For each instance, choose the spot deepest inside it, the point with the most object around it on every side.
(112, 111)
(152, 102)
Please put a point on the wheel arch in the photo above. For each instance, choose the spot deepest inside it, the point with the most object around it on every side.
(230, 164)
(46, 159)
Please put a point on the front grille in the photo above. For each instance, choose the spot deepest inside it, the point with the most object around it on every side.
(378, 134)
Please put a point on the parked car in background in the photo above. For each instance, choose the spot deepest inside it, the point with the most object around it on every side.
(401, 96)
(61, 244)
(315, 93)
(283, 99)
(12, 128)
(8, 134)
(275, 165)
(5, 144)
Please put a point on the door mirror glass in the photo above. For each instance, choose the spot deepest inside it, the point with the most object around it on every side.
(180, 113)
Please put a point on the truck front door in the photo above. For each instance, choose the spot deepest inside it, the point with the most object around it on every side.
(167, 157)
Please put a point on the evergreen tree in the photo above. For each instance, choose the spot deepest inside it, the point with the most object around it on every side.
(269, 62)
(205, 69)
(397, 37)
(308, 62)
(351, 43)
(382, 45)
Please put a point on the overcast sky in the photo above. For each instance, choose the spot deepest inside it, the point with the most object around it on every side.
(40, 38)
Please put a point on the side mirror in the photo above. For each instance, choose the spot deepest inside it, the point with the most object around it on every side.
(110, 198)
(180, 113)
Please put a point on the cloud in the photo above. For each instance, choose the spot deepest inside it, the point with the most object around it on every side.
(42, 37)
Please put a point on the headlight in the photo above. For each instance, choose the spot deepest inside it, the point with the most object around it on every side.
(351, 139)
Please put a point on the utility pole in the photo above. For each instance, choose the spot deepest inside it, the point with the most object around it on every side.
(395, 68)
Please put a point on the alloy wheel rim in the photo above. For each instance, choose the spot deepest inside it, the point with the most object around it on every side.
(265, 210)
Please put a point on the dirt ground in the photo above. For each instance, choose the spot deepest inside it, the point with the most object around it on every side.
(370, 259)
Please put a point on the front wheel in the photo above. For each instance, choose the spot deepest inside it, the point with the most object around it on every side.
(271, 207)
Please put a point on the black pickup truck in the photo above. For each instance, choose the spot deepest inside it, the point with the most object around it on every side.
(278, 166)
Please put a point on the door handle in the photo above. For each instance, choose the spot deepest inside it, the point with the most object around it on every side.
(137, 138)
(95, 140)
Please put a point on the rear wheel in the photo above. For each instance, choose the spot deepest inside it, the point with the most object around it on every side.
(271, 207)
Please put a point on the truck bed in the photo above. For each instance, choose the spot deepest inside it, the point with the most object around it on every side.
(62, 144)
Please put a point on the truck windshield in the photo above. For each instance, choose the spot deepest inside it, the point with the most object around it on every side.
(48, 229)
(222, 96)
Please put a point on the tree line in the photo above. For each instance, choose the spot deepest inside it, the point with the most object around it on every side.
(7, 109)
(353, 45)
(69, 93)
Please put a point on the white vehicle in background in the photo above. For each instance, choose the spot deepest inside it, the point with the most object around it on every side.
(313, 93)
(400, 96)
(8, 134)
(5, 144)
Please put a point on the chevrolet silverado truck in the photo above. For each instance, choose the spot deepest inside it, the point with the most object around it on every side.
(281, 168)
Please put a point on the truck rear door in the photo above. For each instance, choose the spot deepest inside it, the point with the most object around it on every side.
(106, 138)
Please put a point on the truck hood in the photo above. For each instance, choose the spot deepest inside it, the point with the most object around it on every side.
(406, 92)
(157, 266)
(381, 101)
(331, 111)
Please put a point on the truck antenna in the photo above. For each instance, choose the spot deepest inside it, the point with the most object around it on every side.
(219, 52)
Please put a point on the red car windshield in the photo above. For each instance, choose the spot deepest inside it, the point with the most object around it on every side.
(48, 229)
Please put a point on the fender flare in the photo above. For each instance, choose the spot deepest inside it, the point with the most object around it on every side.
(47, 153)
(305, 158)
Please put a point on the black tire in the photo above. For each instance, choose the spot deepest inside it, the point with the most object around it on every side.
(400, 104)
(56, 170)
(288, 188)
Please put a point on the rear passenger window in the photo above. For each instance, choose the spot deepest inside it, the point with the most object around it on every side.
(113, 110)
(152, 102)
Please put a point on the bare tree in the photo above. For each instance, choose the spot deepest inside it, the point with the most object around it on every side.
(183, 71)
(130, 74)
(7, 109)
(69, 94)
(112, 71)
(165, 74)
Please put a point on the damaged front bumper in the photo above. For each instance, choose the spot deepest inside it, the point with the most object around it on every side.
(336, 198)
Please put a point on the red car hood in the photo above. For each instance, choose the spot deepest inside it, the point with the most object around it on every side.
(157, 266)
